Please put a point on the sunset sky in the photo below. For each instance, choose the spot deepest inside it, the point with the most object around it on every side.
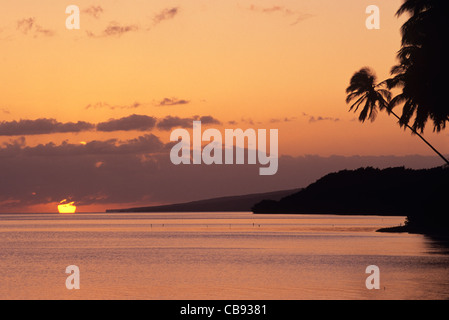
(86, 114)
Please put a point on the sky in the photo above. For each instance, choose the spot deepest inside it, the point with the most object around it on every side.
(86, 114)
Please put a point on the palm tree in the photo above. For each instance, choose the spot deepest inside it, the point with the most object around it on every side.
(423, 64)
(364, 88)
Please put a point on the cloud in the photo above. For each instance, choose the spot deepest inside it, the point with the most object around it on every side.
(172, 102)
(145, 144)
(115, 29)
(301, 17)
(42, 126)
(248, 120)
(135, 105)
(296, 15)
(93, 11)
(47, 168)
(251, 122)
(319, 118)
(28, 26)
(138, 172)
(207, 120)
(271, 9)
(18, 142)
(170, 122)
(286, 119)
(5, 111)
(132, 122)
(100, 105)
(166, 14)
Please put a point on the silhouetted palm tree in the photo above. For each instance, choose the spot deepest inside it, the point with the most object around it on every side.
(423, 64)
(364, 88)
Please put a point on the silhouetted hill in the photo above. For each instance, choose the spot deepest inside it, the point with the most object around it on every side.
(222, 204)
(421, 195)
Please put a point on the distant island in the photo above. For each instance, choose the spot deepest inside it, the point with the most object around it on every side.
(222, 204)
(420, 195)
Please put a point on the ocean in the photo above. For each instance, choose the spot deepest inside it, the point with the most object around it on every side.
(235, 255)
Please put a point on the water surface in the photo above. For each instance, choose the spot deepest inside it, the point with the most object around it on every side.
(216, 256)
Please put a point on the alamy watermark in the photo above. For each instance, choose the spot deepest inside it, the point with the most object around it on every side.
(73, 20)
(187, 152)
(373, 20)
(73, 280)
(373, 280)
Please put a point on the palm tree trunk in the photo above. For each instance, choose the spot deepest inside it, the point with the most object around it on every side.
(428, 143)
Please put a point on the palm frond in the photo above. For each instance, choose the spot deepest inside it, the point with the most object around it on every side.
(357, 104)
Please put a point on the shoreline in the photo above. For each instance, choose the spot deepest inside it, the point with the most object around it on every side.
(397, 229)
(431, 232)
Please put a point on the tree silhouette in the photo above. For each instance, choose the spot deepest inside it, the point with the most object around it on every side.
(423, 64)
(421, 73)
(364, 88)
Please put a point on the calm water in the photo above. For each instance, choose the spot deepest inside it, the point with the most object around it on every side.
(216, 256)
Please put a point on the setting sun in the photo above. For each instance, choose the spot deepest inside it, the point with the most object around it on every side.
(66, 207)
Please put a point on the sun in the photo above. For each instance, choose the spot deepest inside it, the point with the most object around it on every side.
(66, 207)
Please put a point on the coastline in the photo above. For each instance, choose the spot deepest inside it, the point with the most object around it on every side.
(431, 232)
(397, 229)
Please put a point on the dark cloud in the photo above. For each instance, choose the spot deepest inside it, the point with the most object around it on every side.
(172, 102)
(132, 122)
(40, 174)
(170, 122)
(16, 142)
(93, 11)
(166, 14)
(5, 111)
(28, 26)
(207, 120)
(148, 143)
(41, 126)
(139, 172)
(115, 29)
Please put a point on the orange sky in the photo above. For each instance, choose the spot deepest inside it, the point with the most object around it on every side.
(252, 62)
